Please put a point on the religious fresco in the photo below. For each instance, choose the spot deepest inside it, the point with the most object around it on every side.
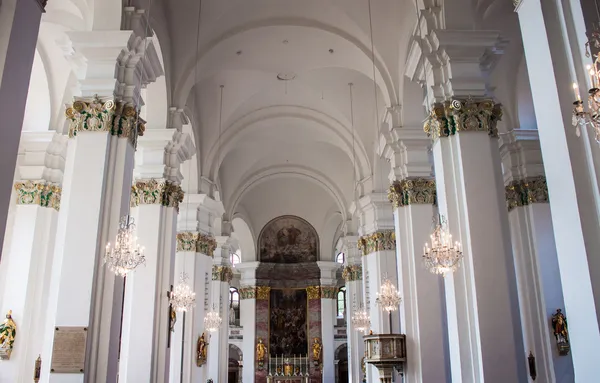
(288, 239)
(288, 322)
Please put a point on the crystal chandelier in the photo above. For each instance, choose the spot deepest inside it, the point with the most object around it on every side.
(127, 254)
(361, 320)
(388, 298)
(443, 256)
(212, 321)
(582, 118)
(183, 298)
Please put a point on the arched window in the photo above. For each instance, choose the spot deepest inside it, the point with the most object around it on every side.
(341, 302)
(340, 258)
(234, 306)
(234, 258)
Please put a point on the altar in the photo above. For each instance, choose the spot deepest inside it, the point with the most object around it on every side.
(288, 379)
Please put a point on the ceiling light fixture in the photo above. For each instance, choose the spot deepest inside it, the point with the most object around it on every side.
(287, 76)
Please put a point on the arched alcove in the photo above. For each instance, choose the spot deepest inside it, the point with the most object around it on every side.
(288, 239)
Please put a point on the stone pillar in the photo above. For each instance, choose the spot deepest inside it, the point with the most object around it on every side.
(470, 193)
(353, 276)
(219, 297)
(534, 251)
(263, 296)
(553, 56)
(19, 26)
(314, 330)
(248, 317)
(378, 247)
(328, 317)
(422, 315)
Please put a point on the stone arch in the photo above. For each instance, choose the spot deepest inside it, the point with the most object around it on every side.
(339, 351)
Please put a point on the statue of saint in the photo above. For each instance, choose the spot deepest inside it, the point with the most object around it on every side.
(261, 350)
(201, 351)
(316, 348)
(559, 324)
(8, 331)
(173, 319)
(231, 315)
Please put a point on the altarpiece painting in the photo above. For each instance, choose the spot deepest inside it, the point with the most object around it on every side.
(288, 323)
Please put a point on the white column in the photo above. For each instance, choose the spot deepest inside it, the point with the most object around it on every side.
(354, 301)
(248, 317)
(470, 194)
(422, 316)
(534, 251)
(19, 26)
(328, 315)
(219, 297)
(569, 165)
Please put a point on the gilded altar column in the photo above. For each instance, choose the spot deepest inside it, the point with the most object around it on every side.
(19, 26)
(353, 275)
(329, 291)
(248, 318)
(377, 245)
(219, 298)
(556, 59)
(412, 194)
(103, 131)
(534, 251)
(263, 297)
(26, 268)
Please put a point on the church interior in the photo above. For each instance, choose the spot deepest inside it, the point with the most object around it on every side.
(285, 191)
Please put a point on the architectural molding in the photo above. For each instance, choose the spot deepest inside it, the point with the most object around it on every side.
(378, 241)
(410, 191)
(352, 273)
(222, 273)
(328, 292)
(196, 242)
(248, 292)
(104, 114)
(156, 192)
(526, 191)
(38, 193)
(263, 292)
(313, 292)
(451, 117)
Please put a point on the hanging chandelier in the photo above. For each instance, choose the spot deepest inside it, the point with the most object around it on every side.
(361, 320)
(582, 118)
(183, 298)
(444, 256)
(388, 298)
(127, 254)
(212, 320)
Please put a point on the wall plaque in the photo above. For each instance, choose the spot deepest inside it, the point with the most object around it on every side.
(68, 351)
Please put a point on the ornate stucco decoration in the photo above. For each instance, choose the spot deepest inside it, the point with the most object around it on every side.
(379, 241)
(104, 115)
(448, 118)
(328, 292)
(152, 191)
(526, 191)
(352, 273)
(222, 273)
(38, 193)
(263, 292)
(248, 292)
(412, 191)
(313, 292)
(196, 242)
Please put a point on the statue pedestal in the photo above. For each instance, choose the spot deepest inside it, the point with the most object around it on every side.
(386, 352)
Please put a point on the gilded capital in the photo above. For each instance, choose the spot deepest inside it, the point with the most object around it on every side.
(352, 273)
(451, 117)
(379, 241)
(526, 191)
(248, 292)
(222, 273)
(154, 192)
(104, 115)
(263, 292)
(328, 292)
(196, 242)
(412, 191)
(38, 193)
(313, 292)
